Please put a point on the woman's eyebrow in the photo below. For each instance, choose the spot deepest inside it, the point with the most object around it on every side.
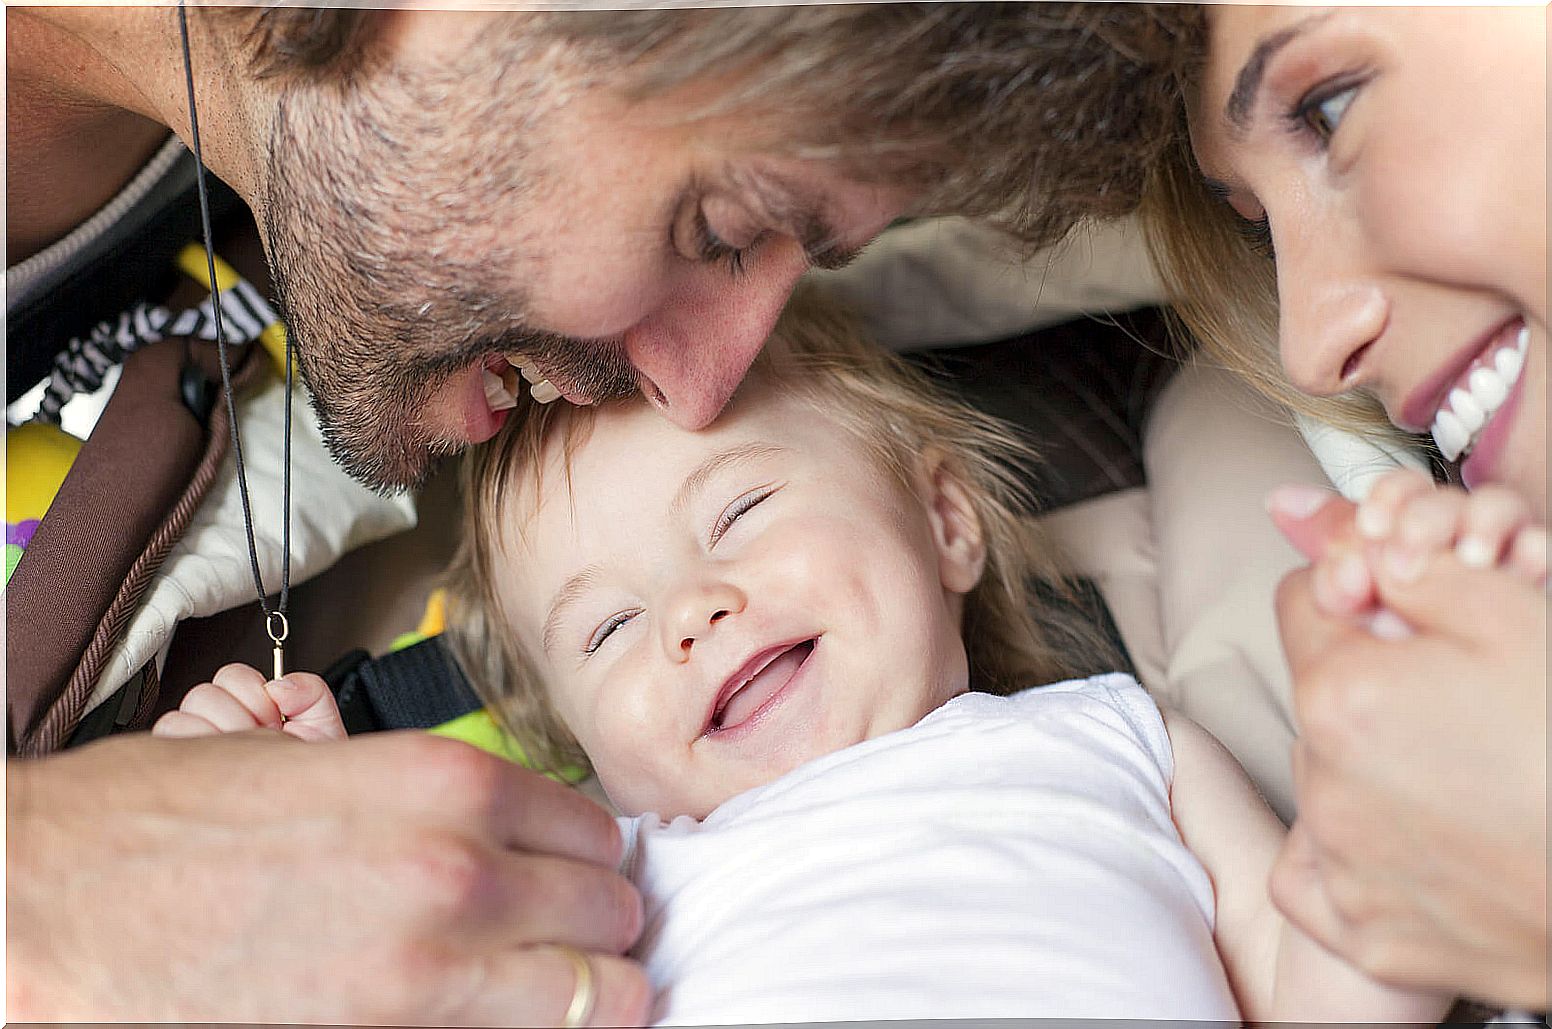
(1252, 73)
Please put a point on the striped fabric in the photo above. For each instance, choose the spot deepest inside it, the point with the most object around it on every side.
(81, 365)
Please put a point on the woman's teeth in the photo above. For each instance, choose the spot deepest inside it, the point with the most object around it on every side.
(1467, 410)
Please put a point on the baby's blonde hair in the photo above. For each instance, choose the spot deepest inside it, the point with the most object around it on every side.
(1013, 637)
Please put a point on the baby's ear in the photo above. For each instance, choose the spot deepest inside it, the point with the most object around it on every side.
(956, 528)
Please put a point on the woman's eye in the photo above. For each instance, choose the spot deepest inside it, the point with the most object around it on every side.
(1323, 114)
(604, 631)
(1258, 236)
(738, 508)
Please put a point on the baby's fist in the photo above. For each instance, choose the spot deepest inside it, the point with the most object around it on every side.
(238, 699)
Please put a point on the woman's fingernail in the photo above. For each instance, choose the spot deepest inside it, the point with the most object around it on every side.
(1387, 625)
(1352, 576)
(1403, 563)
(1475, 553)
(1298, 500)
(1373, 522)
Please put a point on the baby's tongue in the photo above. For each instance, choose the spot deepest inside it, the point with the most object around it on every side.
(761, 688)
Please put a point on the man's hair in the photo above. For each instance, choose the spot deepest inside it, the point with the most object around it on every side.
(1014, 635)
(1023, 114)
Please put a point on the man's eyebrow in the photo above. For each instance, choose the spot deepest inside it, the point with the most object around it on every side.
(735, 455)
(567, 595)
(1247, 83)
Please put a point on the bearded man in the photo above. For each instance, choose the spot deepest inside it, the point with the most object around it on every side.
(621, 201)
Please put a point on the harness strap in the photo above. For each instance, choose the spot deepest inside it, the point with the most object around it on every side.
(419, 687)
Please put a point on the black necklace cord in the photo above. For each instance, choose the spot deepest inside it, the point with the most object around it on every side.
(275, 615)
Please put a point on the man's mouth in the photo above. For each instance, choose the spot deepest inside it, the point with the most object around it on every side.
(756, 683)
(1478, 394)
(504, 377)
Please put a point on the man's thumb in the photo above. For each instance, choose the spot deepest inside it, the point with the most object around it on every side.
(1312, 518)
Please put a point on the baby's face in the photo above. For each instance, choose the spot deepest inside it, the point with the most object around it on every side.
(710, 610)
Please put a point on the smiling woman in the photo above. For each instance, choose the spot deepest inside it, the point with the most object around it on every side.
(1353, 216)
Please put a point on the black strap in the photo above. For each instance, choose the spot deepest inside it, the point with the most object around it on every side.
(418, 687)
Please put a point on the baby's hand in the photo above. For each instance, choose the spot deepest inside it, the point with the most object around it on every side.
(238, 699)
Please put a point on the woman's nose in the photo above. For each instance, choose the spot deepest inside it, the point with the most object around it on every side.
(694, 611)
(1329, 311)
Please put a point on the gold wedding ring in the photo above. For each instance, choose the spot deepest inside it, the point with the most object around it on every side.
(583, 993)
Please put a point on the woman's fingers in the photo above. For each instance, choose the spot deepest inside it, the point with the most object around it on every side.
(1380, 511)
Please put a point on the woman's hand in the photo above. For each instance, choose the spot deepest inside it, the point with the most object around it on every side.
(1420, 849)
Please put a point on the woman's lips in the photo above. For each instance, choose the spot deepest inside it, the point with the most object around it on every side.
(1418, 411)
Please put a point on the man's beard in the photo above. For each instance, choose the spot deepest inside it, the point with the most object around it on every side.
(386, 296)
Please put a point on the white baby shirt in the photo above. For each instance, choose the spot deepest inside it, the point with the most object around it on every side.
(1004, 857)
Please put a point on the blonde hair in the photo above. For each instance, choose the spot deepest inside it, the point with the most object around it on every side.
(819, 354)
(1223, 292)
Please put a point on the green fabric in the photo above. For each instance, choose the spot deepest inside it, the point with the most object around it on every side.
(479, 729)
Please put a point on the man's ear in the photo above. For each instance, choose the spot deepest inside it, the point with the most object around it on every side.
(956, 528)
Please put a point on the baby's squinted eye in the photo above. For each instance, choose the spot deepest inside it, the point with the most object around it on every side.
(738, 508)
(604, 631)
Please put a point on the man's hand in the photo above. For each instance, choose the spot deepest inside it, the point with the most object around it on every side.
(396, 878)
(1420, 848)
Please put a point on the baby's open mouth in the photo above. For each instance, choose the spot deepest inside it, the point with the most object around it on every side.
(760, 679)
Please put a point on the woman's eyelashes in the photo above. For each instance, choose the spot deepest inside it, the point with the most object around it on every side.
(736, 509)
(1321, 110)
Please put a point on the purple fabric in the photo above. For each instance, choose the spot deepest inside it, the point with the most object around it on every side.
(20, 533)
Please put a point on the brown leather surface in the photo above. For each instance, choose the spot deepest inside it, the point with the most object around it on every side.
(129, 474)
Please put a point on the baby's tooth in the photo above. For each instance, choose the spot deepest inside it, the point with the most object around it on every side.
(1467, 410)
(496, 394)
(1450, 435)
(1509, 362)
(544, 393)
(1488, 388)
(1522, 339)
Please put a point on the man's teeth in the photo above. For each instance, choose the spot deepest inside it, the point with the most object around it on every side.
(498, 393)
(539, 386)
(1467, 410)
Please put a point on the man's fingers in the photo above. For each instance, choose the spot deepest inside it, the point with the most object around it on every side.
(537, 986)
(536, 899)
(1312, 518)
(308, 705)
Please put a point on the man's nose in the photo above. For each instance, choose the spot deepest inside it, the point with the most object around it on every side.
(696, 347)
(1330, 308)
(693, 612)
